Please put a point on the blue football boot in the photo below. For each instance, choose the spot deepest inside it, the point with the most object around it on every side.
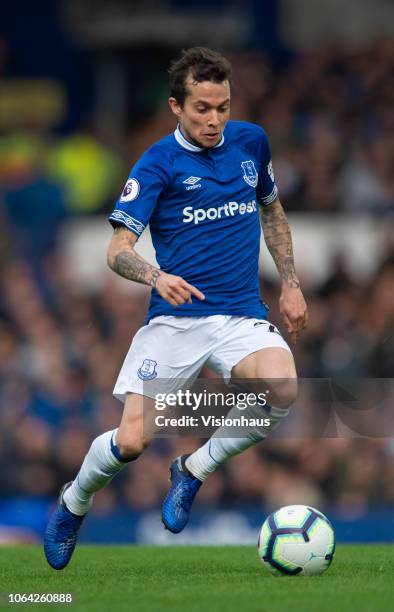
(184, 487)
(61, 533)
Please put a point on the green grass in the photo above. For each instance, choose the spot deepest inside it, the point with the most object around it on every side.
(196, 579)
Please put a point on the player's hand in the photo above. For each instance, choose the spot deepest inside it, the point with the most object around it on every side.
(175, 290)
(293, 310)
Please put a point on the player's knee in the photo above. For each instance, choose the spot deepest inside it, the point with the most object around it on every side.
(284, 393)
(131, 446)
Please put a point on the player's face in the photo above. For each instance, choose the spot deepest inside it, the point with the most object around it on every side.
(205, 111)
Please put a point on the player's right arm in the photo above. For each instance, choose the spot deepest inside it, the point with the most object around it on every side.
(125, 261)
(149, 178)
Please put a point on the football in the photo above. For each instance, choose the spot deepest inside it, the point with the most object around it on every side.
(296, 540)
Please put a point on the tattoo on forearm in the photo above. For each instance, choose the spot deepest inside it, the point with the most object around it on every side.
(133, 267)
(278, 240)
(123, 260)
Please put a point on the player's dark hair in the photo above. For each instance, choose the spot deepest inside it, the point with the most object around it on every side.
(202, 64)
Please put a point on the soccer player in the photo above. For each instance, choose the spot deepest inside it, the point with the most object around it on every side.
(204, 189)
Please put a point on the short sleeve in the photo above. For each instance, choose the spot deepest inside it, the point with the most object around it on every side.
(147, 180)
(267, 191)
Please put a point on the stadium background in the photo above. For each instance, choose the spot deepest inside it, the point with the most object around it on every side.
(82, 94)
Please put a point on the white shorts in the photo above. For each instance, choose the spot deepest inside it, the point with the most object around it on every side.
(176, 348)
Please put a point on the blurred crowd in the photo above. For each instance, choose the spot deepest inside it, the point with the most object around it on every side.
(330, 120)
(328, 116)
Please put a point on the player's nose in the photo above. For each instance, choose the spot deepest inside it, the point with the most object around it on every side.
(213, 119)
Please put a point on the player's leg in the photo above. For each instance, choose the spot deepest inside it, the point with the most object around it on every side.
(108, 455)
(158, 357)
(111, 451)
(271, 369)
(251, 350)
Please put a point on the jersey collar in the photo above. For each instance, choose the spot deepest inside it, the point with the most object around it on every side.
(179, 137)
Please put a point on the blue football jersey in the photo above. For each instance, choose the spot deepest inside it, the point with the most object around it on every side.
(203, 209)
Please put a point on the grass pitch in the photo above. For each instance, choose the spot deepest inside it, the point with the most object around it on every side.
(196, 579)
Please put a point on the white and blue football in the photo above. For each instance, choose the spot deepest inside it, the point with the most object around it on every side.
(296, 540)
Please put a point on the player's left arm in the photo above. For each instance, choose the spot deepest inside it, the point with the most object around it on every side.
(277, 237)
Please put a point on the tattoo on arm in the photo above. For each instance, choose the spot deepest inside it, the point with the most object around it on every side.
(278, 240)
(127, 263)
(132, 266)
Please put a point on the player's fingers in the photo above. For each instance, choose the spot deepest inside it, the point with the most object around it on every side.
(178, 287)
(288, 323)
(179, 299)
(302, 321)
(297, 318)
(187, 297)
(299, 323)
(174, 299)
(181, 293)
(194, 291)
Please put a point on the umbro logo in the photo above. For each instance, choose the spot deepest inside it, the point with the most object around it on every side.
(192, 182)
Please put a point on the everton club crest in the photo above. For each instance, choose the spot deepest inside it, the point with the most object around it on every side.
(250, 173)
(148, 369)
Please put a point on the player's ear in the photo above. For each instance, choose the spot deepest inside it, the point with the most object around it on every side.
(175, 106)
